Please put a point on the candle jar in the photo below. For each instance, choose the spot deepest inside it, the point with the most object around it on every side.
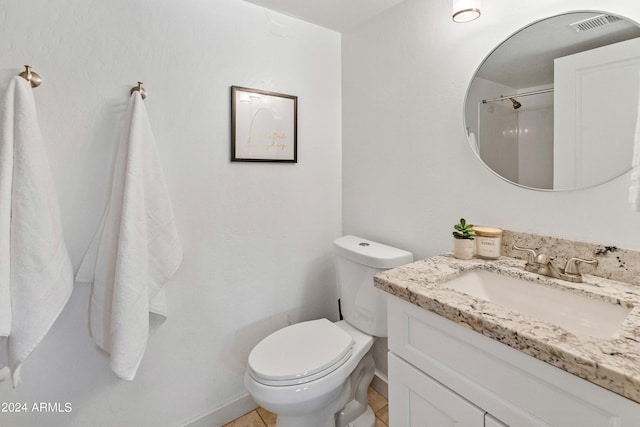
(488, 242)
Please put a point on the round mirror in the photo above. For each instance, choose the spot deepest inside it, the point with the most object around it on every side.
(554, 107)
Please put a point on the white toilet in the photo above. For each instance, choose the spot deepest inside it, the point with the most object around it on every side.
(316, 373)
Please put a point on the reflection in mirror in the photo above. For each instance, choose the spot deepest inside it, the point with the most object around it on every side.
(554, 106)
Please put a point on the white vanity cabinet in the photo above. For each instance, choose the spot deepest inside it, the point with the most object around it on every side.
(444, 374)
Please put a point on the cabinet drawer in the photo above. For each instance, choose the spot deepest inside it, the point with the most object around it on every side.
(415, 399)
(490, 421)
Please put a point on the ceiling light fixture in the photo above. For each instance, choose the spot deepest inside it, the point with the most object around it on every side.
(466, 10)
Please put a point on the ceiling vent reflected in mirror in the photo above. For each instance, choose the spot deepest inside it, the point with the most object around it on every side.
(595, 22)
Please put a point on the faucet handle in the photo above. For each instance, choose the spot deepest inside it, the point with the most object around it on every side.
(531, 257)
(572, 265)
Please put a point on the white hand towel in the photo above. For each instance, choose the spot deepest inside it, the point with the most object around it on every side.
(135, 251)
(634, 188)
(36, 276)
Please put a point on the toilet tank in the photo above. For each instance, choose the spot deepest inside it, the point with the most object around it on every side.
(357, 260)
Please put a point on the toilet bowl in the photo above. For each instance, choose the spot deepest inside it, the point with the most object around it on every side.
(304, 398)
(316, 373)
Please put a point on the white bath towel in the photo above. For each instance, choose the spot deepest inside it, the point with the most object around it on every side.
(36, 276)
(634, 188)
(135, 251)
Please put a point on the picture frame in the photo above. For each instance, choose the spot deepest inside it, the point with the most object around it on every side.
(264, 126)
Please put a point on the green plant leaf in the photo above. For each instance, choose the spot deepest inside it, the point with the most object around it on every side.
(463, 230)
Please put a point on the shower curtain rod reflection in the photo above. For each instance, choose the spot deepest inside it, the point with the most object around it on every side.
(518, 95)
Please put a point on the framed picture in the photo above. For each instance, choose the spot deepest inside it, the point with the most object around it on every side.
(264, 126)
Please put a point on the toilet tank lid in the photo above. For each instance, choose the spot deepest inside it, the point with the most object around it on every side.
(370, 253)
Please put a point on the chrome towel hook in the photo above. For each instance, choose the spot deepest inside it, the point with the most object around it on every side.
(31, 76)
(139, 88)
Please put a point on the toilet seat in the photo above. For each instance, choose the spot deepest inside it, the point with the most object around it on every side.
(300, 353)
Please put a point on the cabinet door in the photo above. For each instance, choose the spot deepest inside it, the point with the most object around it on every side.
(417, 400)
(490, 421)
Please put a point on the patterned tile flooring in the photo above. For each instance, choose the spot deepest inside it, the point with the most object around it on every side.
(263, 418)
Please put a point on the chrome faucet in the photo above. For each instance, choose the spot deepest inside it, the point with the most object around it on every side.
(542, 264)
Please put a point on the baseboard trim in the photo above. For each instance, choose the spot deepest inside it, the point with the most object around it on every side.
(225, 413)
(380, 383)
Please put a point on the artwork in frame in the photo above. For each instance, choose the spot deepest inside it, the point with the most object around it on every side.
(263, 126)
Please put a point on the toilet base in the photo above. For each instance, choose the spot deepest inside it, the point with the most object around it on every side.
(336, 400)
(356, 413)
(368, 419)
(358, 404)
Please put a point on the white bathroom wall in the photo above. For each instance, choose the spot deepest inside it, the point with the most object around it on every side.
(408, 172)
(256, 237)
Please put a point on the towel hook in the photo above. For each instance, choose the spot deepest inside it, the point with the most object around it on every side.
(31, 76)
(139, 88)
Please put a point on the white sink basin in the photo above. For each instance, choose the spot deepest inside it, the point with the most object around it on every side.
(575, 313)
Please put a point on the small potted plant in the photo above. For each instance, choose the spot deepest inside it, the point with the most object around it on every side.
(463, 242)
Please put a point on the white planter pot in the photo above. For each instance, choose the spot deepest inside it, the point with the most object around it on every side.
(463, 248)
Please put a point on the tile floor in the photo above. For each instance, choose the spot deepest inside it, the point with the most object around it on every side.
(263, 418)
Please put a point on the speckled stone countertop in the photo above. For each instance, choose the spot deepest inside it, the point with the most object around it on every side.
(611, 363)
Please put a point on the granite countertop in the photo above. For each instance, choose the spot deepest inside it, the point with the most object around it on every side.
(612, 363)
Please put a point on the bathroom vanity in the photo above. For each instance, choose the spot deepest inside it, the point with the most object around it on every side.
(454, 357)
